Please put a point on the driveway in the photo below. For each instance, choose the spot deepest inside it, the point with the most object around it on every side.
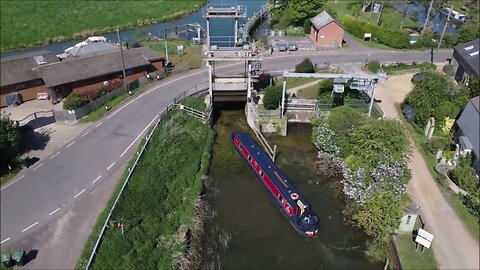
(453, 246)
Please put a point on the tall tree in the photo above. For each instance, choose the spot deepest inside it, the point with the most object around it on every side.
(9, 140)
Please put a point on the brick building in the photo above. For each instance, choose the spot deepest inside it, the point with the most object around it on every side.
(18, 77)
(325, 31)
(86, 73)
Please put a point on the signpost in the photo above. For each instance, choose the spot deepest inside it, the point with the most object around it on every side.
(180, 50)
(423, 239)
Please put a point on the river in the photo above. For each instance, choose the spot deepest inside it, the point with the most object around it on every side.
(221, 30)
(260, 237)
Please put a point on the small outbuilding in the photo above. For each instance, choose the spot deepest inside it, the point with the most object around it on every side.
(326, 32)
(408, 220)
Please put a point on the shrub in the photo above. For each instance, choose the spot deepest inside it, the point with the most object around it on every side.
(272, 97)
(448, 69)
(307, 24)
(445, 109)
(10, 139)
(464, 177)
(472, 204)
(325, 89)
(436, 143)
(74, 101)
(373, 66)
(306, 66)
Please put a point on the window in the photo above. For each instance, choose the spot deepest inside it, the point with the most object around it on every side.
(468, 48)
(408, 219)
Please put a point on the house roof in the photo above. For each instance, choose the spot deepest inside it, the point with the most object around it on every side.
(89, 48)
(323, 19)
(467, 54)
(94, 65)
(18, 68)
(469, 123)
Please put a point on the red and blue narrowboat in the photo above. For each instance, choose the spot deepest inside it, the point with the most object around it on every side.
(292, 204)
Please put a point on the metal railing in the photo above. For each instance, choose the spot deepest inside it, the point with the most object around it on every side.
(196, 91)
(294, 104)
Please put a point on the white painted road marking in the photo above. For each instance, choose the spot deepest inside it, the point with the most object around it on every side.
(41, 164)
(12, 182)
(29, 227)
(99, 124)
(5, 240)
(70, 144)
(54, 211)
(56, 154)
(84, 134)
(109, 167)
(139, 136)
(100, 176)
(80, 193)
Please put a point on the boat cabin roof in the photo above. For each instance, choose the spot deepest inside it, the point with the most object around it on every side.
(269, 167)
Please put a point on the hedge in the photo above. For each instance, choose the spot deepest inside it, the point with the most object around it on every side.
(389, 36)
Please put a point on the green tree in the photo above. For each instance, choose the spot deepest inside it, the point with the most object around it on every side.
(380, 142)
(272, 97)
(427, 95)
(469, 32)
(295, 12)
(426, 39)
(9, 140)
(474, 87)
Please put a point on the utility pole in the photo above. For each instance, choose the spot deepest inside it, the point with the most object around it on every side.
(380, 13)
(166, 50)
(445, 27)
(371, 10)
(404, 15)
(428, 16)
(123, 61)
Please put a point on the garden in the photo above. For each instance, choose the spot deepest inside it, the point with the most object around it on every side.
(436, 97)
(371, 156)
(157, 223)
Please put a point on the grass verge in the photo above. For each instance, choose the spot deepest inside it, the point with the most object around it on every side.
(10, 175)
(310, 92)
(411, 258)
(190, 59)
(159, 205)
(454, 200)
(34, 23)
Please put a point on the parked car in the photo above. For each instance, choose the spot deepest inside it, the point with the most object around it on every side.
(292, 47)
(282, 47)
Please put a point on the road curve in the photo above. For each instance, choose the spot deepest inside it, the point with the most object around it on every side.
(57, 182)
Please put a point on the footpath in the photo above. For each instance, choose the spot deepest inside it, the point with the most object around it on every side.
(454, 247)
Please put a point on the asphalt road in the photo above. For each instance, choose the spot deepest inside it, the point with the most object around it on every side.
(43, 192)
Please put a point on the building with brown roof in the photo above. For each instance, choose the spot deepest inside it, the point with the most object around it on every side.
(325, 31)
(85, 74)
(18, 75)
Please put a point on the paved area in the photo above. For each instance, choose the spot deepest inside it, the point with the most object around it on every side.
(47, 136)
(453, 246)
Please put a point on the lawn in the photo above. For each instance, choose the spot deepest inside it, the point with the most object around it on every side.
(390, 16)
(191, 58)
(30, 23)
(411, 258)
(310, 92)
(158, 207)
(294, 82)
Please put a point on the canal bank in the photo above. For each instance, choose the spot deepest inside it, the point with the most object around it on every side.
(250, 224)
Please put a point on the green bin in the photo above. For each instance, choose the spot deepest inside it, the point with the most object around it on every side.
(18, 257)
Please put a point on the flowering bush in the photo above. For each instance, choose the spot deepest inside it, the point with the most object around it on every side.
(324, 140)
(447, 125)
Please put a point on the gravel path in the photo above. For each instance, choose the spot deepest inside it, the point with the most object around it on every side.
(454, 247)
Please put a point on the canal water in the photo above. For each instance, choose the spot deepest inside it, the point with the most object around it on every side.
(259, 236)
(221, 30)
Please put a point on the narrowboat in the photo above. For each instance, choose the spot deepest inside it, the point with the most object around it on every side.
(291, 203)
